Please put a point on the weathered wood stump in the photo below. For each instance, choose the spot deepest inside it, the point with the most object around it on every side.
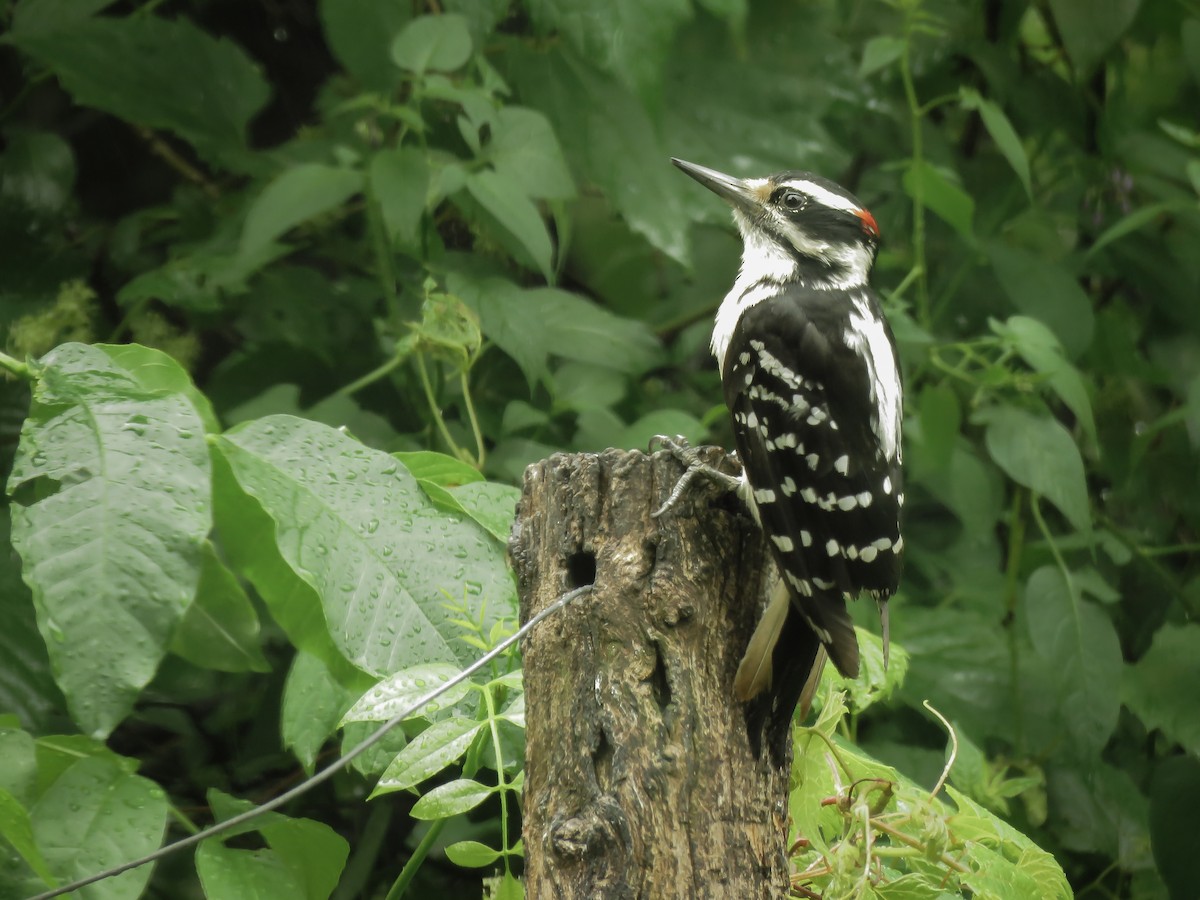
(640, 781)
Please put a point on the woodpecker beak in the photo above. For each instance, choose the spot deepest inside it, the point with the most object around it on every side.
(734, 191)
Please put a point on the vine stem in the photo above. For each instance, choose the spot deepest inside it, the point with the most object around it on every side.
(409, 872)
(381, 371)
(427, 387)
(15, 366)
(501, 783)
(480, 449)
(334, 767)
(916, 113)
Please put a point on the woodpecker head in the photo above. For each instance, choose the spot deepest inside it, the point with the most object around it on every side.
(797, 226)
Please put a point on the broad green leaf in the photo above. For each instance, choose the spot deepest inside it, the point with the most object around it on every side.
(1008, 142)
(401, 690)
(297, 195)
(17, 829)
(1097, 808)
(451, 799)
(355, 525)
(309, 852)
(1174, 795)
(626, 38)
(512, 208)
(438, 468)
(157, 73)
(1079, 639)
(98, 796)
(37, 169)
(1042, 351)
(220, 629)
(610, 140)
(525, 151)
(156, 371)
(491, 504)
(360, 34)
(45, 15)
(583, 386)
(111, 507)
(257, 874)
(941, 418)
(879, 52)
(1046, 291)
(471, 854)
(928, 185)
(1151, 687)
(433, 43)
(531, 325)
(1090, 29)
(399, 181)
(1038, 452)
(874, 682)
(247, 537)
(438, 746)
(515, 711)
(313, 703)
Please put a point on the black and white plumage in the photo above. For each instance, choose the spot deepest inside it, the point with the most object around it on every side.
(812, 382)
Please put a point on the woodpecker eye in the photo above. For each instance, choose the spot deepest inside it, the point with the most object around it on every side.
(793, 200)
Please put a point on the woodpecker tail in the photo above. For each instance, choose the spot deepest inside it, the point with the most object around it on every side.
(780, 672)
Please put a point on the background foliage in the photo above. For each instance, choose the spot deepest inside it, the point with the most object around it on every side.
(264, 258)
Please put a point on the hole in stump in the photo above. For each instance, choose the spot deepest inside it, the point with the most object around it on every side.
(581, 569)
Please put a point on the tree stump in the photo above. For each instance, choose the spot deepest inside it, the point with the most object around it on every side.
(640, 781)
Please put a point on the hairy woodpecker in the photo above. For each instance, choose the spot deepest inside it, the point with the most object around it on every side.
(810, 376)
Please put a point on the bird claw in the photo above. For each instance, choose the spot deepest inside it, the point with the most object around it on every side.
(694, 467)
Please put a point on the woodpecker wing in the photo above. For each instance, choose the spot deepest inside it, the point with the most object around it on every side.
(817, 431)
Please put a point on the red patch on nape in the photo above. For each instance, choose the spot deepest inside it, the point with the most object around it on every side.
(868, 222)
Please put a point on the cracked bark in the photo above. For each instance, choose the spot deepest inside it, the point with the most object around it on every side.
(640, 781)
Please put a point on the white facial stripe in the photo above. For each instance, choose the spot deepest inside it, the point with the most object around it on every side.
(822, 195)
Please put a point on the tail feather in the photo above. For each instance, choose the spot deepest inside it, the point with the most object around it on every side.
(756, 670)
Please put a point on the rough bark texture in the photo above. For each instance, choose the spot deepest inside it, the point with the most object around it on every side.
(639, 777)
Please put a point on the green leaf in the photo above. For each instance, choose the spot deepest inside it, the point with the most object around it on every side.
(611, 141)
(99, 796)
(433, 43)
(525, 151)
(360, 34)
(297, 195)
(879, 52)
(313, 703)
(110, 510)
(1079, 640)
(450, 799)
(45, 15)
(17, 829)
(158, 73)
(399, 184)
(1089, 29)
(354, 524)
(580, 387)
(1008, 142)
(941, 418)
(438, 746)
(471, 854)
(1042, 351)
(220, 629)
(402, 689)
(531, 325)
(512, 208)
(260, 874)
(1174, 796)
(1151, 687)
(928, 185)
(1047, 292)
(662, 421)
(874, 682)
(303, 853)
(1136, 220)
(626, 38)
(37, 169)
(491, 504)
(1038, 452)
(438, 468)
(156, 371)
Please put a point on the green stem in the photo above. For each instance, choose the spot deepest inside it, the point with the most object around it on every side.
(16, 367)
(182, 820)
(915, 114)
(433, 408)
(400, 885)
(383, 253)
(480, 450)
(371, 377)
(501, 784)
(1016, 543)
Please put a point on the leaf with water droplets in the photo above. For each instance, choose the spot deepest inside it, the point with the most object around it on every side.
(353, 523)
(111, 506)
(401, 690)
(432, 750)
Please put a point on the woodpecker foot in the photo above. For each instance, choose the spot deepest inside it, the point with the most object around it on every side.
(695, 468)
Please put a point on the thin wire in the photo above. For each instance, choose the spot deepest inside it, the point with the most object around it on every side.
(330, 770)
